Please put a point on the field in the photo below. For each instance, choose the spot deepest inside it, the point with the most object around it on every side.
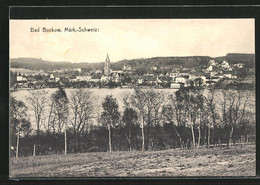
(224, 161)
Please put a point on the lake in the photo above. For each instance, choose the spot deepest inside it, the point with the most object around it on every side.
(98, 96)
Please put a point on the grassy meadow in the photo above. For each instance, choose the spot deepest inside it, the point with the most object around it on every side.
(218, 161)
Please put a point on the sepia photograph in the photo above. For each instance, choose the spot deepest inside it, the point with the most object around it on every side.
(132, 98)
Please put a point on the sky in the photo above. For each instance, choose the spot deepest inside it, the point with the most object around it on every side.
(131, 38)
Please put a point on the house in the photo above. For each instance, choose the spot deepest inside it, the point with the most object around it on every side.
(83, 78)
(154, 68)
(175, 86)
(127, 68)
(210, 68)
(239, 65)
(20, 77)
(140, 81)
(180, 80)
(52, 78)
(225, 65)
(57, 79)
(212, 62)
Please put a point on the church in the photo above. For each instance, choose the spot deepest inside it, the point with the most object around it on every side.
(107, 69)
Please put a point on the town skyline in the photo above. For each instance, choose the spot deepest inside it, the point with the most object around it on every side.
(131, 39)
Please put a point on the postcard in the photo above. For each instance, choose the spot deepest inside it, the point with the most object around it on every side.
(132, 98)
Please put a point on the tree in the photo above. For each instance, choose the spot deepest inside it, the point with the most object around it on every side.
(13, 76)
(61, 110)
(148, 103)
(18, 121)
(138, 101)
(210, 115)
(129, 118)
(190, 101)
(233, 109)
(172, 114)
(110, 115)
(154, 103)
(82, 106)
(37, 100)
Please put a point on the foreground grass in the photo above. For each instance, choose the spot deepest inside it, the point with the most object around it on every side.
(233, 161)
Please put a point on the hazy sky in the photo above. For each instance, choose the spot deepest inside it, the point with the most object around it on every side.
(131, 38)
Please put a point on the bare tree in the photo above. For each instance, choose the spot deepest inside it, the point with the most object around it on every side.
(148, 104)
(82, 106)
(37, 100)
(233, 108)
(211, 116)
(138, 100)
(190, 103)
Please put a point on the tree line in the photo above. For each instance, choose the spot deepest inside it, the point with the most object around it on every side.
(150, 120)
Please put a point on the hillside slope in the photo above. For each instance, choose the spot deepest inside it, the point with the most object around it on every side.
(187, 62)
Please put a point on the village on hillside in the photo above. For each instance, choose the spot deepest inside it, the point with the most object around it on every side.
(215, 74)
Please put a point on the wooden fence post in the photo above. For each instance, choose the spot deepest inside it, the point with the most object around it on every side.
(65, 135)
(17, 143)
(34, 150)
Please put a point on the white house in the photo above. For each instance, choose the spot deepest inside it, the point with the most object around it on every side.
(180, 80)
(154, 68)
(225, 65)
(175, 86)
(21, 77)
(140, 80)
(127, 68)
(210, 68)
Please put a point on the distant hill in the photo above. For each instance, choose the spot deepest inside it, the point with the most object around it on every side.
(232, 58)
(39, 64)
(187, 62)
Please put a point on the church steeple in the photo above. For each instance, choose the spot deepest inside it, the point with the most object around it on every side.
(107, 59)
(107, 66)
